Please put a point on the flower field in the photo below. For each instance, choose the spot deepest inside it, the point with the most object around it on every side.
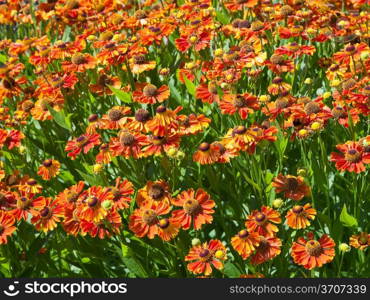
(184, 138)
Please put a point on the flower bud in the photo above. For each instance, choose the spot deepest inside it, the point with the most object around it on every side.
(343, 247)
(277, 203)
(195, 242)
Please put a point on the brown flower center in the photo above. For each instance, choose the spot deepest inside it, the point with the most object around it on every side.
(205, 254)
(353, 156)
(92, 201)
(277, 59)
(47, 163)
(150, 90)
(78, 59)
(27, 105)
(243, 233)
(45, 212)
(281, 103)
(127, 139)
(139, 59)
(204, 147)
(239, 102)
(348, 84)
(297, 209)
(192, 206)
(312, 108)
(115, 115)
(292, 183)
(150, 217)
(164, 223)
(142, 115)
(156, 191)
(260, 218)
(239, 130)
(338, 112)
(314, 248)
(363, 238)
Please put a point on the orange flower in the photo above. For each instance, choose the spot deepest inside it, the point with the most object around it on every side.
(245, 242)
(46, 213)
(139, 122)
(353, 159)
(261, 221)
(313, 253)
(83, 143)
(199, 41)
(207, 154)
(196, 206)
(80, 62)
(204, 256)
(122, 191)
(144, 220)
(192, 124)
(71, 223)
(48, 169)
(107, 227)
(159, 143)
(150, 94)
(293, 187)
(299, 216)
(168, 229)
(268, 248)
(360, 241)
(128, 144)
(24, 205)
(154, 192)
(90, 203)
(164, 120)
(10, 138)
(70, 196)
(239, 137)
(30, 185)
(243, 104)
(6, 226)
(207, 93)
(115, 119)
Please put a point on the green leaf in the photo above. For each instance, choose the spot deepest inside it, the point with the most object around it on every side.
(128, 258)
(66, 34)
(174, 91)
(121, 95)
(3, 58)
(222, 17)
(231, 270)
(346, 219)
(90, 179)
(60, 118)
(189, 86)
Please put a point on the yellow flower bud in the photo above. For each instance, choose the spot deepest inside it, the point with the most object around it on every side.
(264, 98)
(277, 203)
(22, 149)
(107, 204)
(343, 247)
(308, 81)
(219, 52)
(326, 95)
(172, 152)
(195, 242)
(220, 254)
(335, 82)
(180, 155)
(97, 168)
(316, 126)
(302, 172)
(91, 38)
